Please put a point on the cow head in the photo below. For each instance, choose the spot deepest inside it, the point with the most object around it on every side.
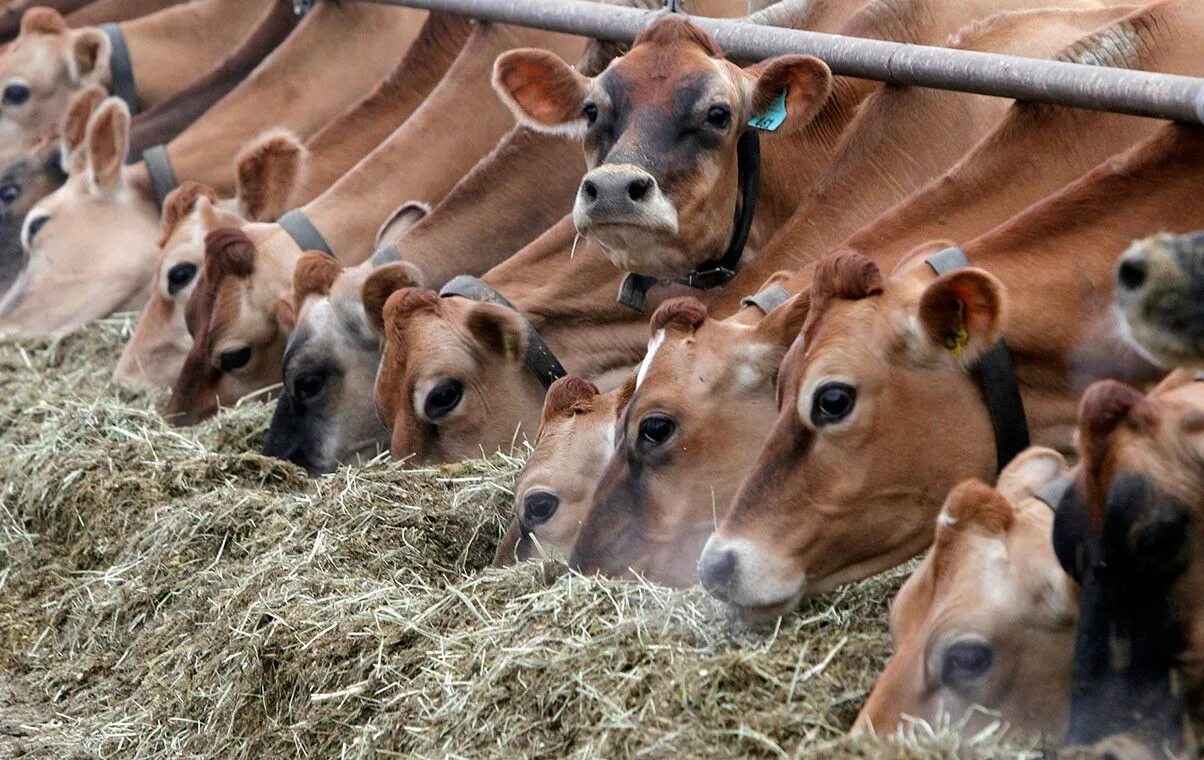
(555, 489)
(841, 490)
(239, 322)
(72, 274)
(1130, 531)
(266, 173)
(326, 414)
(987, 620)
(452, 381)
(681, 452)
(40, 71)
(660, 127)
(1160, 293)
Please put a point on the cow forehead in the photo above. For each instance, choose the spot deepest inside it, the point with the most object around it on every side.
(662, 78)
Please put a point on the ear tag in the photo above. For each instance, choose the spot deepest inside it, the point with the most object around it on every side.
(508, 347)
(773, 116)
(956, 343)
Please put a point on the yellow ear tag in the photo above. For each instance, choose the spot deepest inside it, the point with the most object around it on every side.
(509, 348)
(956, 343)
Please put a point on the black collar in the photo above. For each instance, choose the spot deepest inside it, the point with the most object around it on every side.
(539, 358)
(717, 271)
(997, 377)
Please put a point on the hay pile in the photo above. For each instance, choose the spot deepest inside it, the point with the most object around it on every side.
(168, 593)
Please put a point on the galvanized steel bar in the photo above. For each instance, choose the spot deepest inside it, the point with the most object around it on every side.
(1163, 96)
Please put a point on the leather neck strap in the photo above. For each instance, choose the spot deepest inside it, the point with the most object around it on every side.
(715, 272)
(997, 377)
(121, 67)
(767, 300)
(539, 358)
(162, 176)
(303, 232)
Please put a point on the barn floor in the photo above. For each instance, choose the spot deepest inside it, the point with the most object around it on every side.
(167, 593)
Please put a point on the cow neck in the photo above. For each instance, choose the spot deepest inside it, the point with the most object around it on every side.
(1056, 261)
(567, 294)
(717, 271)
(997, 376)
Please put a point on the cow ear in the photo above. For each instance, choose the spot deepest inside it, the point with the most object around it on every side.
(400, 221)
(286, 317)
(544, 92)
(314, 274)
(962, 312)
(1032, 469)
(788, 92)
(181, 202)
(74, 127)
(567, 396)
(684, 313)
(107, 142)
(89, 48)
(42, 21)
(498, 329)
(382, 283)
(267, 171)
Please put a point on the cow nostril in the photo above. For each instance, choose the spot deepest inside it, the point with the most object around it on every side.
(539, 506)
(715, 571)
(1132, 273)
(637, 189)
(589, 190)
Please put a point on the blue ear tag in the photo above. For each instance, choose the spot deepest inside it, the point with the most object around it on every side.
(773, 116)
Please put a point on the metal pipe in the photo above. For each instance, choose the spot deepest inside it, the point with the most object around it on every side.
(1162, 96)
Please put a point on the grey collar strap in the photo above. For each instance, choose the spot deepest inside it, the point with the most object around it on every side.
(303, 232)
(539, 358)
(767, 300)
(386, 254)
(162, 176)
(997, 377)
(1052, 492)
(121, 67)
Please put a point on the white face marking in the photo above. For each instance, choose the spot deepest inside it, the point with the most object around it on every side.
(653, 346)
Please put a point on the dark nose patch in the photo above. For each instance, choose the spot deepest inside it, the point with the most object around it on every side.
(716, 571)
(1132, 272)
(616, 194)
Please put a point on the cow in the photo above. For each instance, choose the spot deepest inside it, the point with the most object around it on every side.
(983, 630)
(1160, 297)
(673, 472)
(553, 493)
(838, 491)
(1129, 531)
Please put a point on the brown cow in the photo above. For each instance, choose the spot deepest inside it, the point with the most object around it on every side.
(703, 384)
(1130, 531)
(1160, 292)
(839, 492)
(987, 620)
(554, 492)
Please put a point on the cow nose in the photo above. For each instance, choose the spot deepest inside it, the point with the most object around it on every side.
(616, 191)
(716, 570)
(539, 506)
(1132, 271)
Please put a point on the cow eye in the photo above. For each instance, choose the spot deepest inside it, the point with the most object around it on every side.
(655, 429)
(832, 403)
(965, 661)
(719, 117)
(590, 111)
(443, 399)
(235, 359)
(35, 226)
(15, 94)
(308, 385)
(9, 193)
(179, 276)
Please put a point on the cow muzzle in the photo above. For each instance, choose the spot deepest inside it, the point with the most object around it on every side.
(758, 586)
(621, 206)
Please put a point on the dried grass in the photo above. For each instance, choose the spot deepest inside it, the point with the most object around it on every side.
(166, 593)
